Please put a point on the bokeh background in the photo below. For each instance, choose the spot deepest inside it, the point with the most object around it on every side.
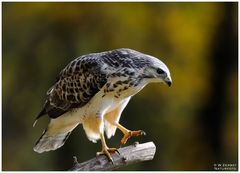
(194, 123)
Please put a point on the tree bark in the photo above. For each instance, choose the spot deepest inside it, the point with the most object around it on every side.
(128, 155)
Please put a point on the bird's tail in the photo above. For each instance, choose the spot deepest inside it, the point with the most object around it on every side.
(48, 143)
(53, 137)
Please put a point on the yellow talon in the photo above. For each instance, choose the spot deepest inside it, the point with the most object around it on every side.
(129, 134)
(106, 151)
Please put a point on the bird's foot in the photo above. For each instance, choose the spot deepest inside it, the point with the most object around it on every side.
(131, 134)
(107, 151)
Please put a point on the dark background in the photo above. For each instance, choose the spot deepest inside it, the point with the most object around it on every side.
(194, 123)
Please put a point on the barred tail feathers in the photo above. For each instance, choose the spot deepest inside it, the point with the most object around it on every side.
(54, 136)
(48, 143)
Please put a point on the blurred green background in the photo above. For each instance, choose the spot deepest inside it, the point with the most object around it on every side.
(194, 123)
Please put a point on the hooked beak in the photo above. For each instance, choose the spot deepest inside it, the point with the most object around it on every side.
(168, 81)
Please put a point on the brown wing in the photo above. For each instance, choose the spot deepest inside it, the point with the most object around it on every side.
(77, 83)
(82, 78)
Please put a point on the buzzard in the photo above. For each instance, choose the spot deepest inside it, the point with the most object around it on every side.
(93, 90)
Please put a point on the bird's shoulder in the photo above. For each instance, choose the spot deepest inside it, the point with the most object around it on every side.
(84, 76)
(76, 84)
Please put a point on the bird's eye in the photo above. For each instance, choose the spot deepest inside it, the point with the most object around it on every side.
(160, 71)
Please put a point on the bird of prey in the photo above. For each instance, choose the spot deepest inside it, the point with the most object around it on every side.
(93, 90)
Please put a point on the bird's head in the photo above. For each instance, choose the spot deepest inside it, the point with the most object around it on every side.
(156, 71)
(148, 67)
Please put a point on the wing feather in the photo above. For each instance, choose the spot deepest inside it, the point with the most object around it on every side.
(76, 84)
(82, 78)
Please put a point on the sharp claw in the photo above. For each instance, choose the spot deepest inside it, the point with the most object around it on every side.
(118, 152)
(131, 134)
(107, 153)
(112, 150)
(109, 157)
(143, 133)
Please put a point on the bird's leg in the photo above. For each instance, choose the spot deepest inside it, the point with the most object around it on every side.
(128, 133)
(105, 150)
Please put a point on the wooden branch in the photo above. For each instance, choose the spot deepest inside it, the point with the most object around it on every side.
(128, 155)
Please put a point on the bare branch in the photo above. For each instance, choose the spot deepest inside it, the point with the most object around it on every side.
(128, 155)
